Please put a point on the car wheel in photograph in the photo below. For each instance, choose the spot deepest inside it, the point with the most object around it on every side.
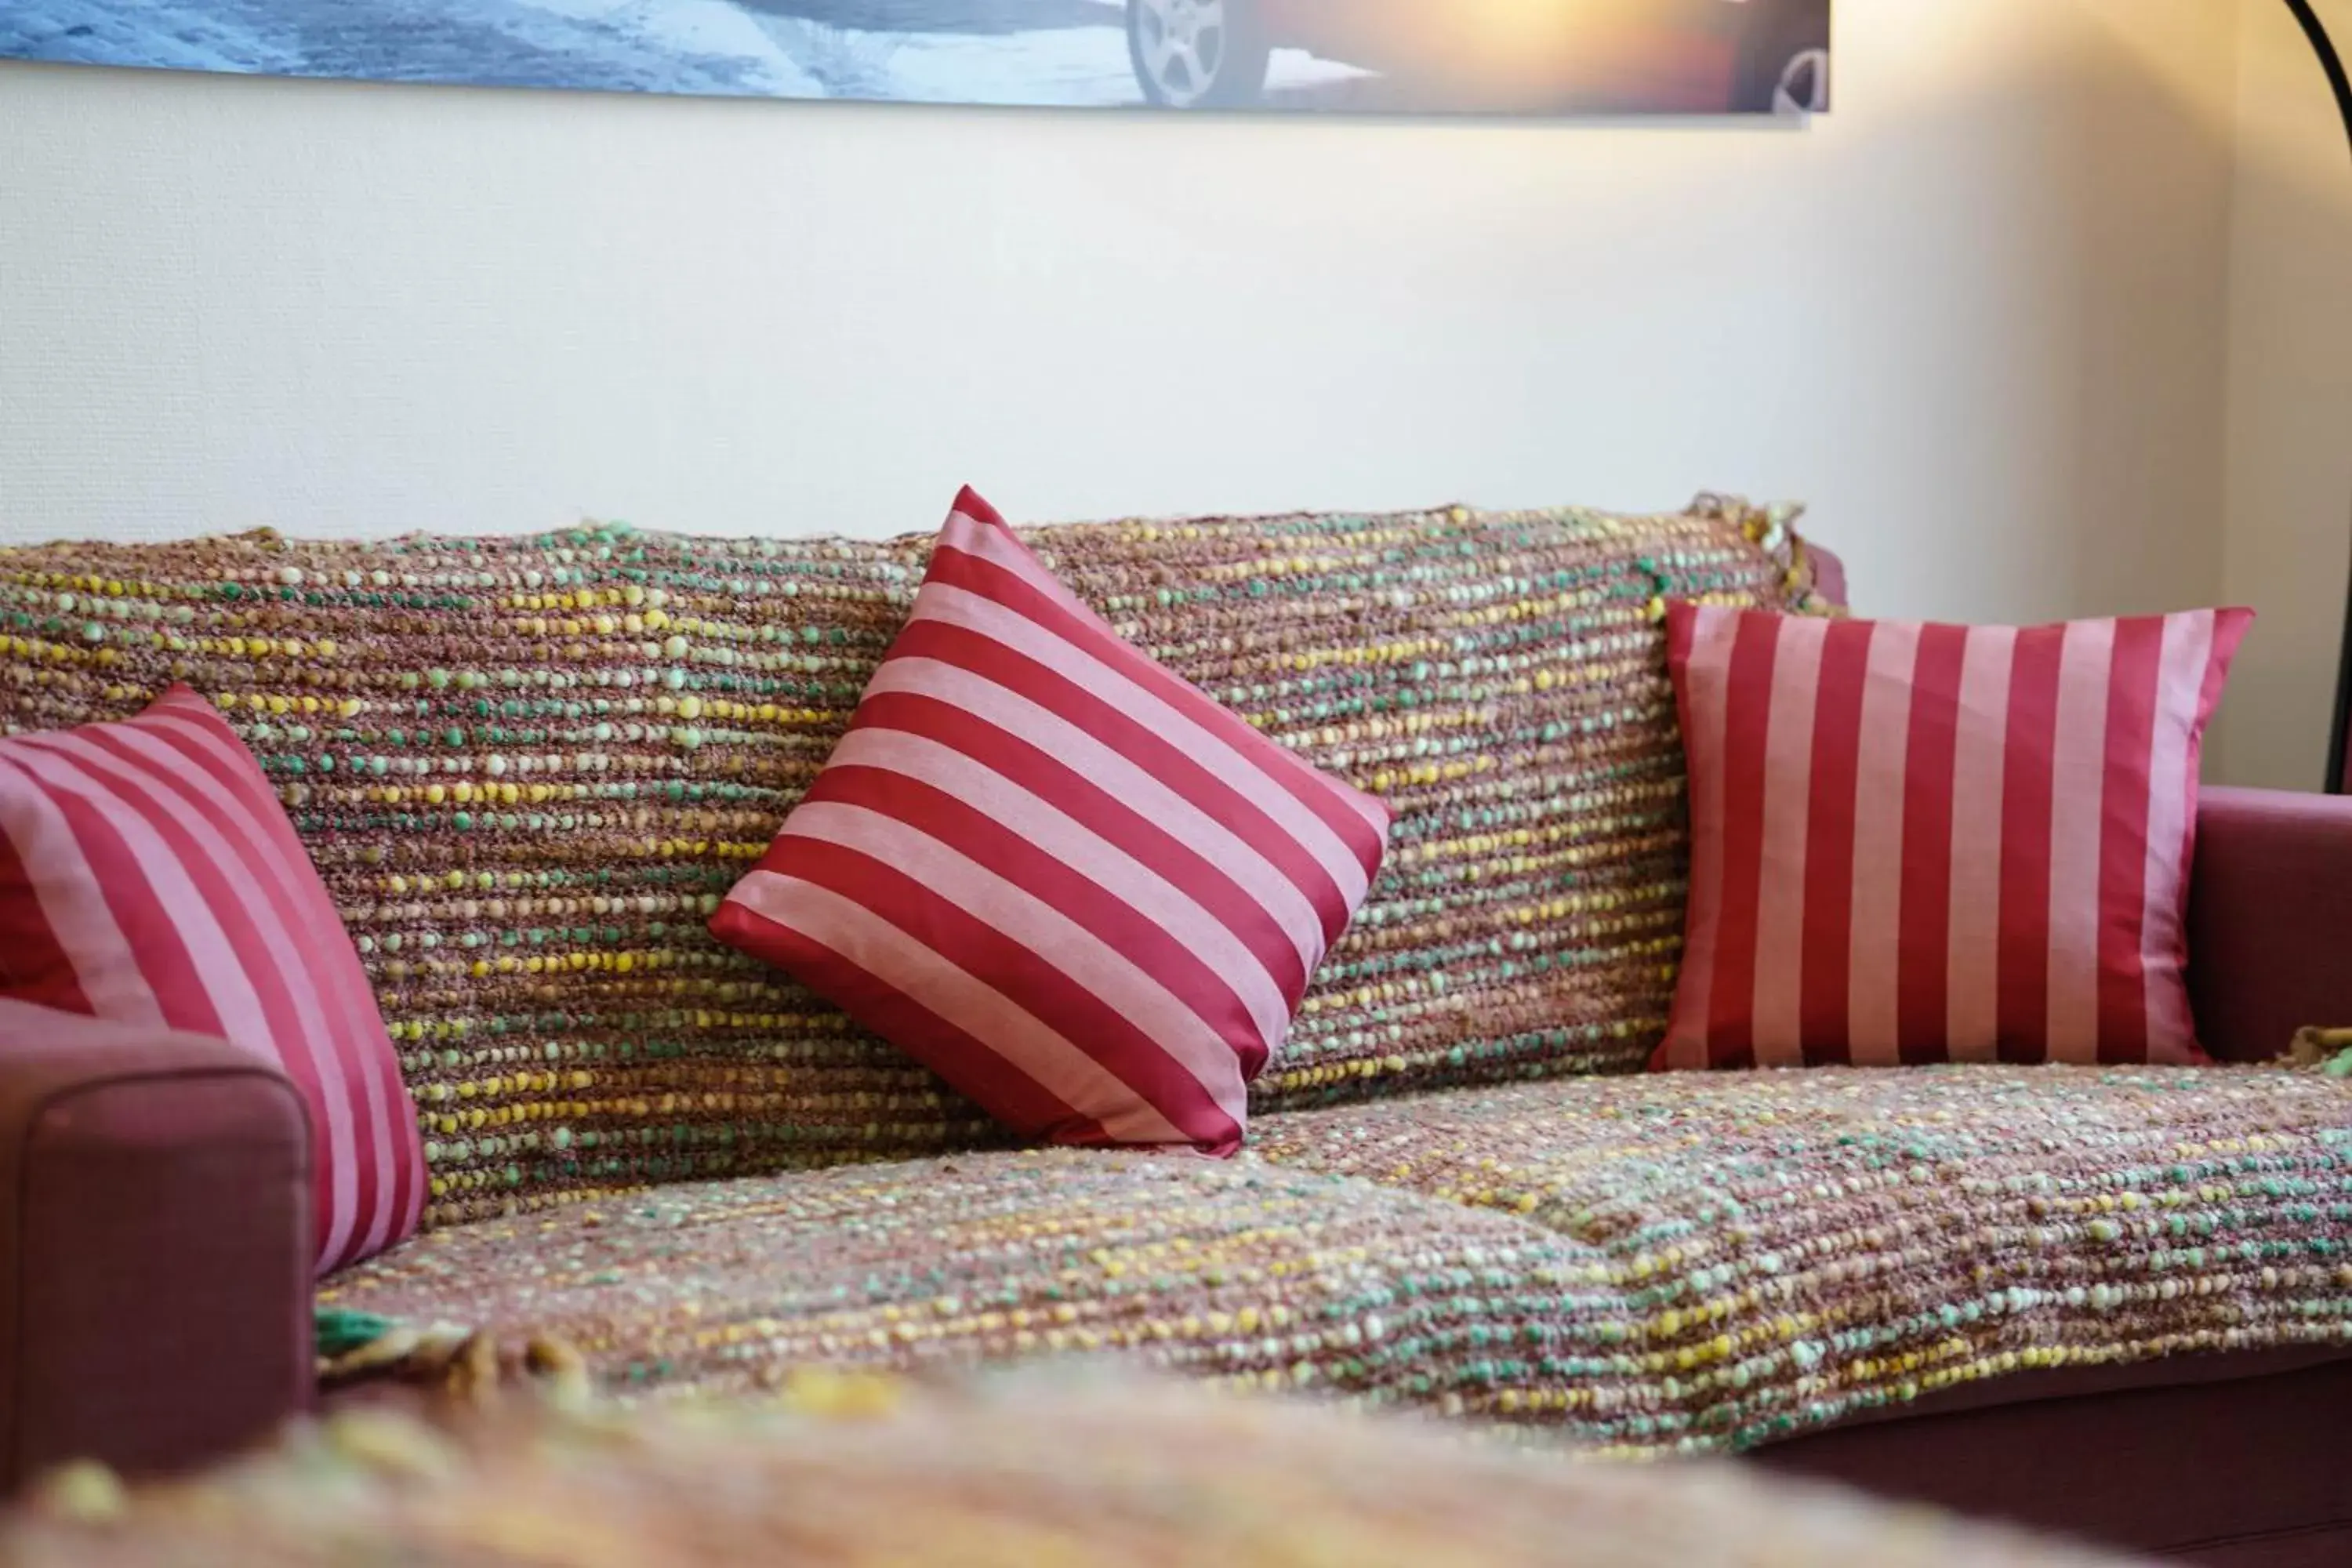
(1784, 67)
(1197, 54)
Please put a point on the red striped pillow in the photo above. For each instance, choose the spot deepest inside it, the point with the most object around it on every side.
(1931, 843)
(148, 875)
(1068, 882)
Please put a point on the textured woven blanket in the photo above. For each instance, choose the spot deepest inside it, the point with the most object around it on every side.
(528, 768)
(1642, 1265)
(1014, 1475)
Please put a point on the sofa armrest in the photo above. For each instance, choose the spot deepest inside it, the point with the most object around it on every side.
(2269, 919)
(155, 1245)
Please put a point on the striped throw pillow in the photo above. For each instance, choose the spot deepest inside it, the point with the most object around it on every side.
(1071, 884)
(1932, 843)
(148, 875)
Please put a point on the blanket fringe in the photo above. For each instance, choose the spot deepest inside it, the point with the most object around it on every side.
(469, 1366)
(2321, 1050)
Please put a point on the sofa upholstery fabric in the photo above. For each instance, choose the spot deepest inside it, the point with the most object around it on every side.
(1648, 1264)
(156, 1244)
(1803, 1246)
(528, 768)
(2269, 919)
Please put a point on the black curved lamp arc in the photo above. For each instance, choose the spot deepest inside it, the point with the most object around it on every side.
(2340, 739)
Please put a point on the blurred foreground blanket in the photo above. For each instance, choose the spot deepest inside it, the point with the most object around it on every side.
(1034, 1469)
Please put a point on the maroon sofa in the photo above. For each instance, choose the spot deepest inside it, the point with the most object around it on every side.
(158, 1251)
(2271, 951)
(158, 1311)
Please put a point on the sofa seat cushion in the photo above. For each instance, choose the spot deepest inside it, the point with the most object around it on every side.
(1785, 1250)
(1238, 1270)
(1690, 1261)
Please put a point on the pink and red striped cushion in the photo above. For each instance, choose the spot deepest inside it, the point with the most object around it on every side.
(148, 875)
(1931, 843)
(1068, 882)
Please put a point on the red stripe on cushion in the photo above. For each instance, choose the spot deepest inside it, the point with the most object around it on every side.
(2025, 802)
(1748, 692)
(1925, 960)
(1778, 1038)
(1829, 843)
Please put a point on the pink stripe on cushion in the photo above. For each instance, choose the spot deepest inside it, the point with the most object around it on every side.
(1788, 814)
(1696, 649)
(2180, 679)
(1748, 688)
(2012, 808)
(1055, 994)
(999, 545)
(174, 890)
(1980, 765)
(213, 773)
(1881, 754)
(2078, 769)
(222, 1000)
(1068, 883)
(2132, 691)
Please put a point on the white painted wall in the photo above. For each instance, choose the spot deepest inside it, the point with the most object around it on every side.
(1977, 316)
(2289, 535)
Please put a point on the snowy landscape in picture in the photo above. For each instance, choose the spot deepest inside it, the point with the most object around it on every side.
(1507, 56)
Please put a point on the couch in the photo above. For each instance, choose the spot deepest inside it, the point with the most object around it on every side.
(2110, 1300)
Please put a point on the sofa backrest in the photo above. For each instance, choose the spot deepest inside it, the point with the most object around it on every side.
(528, 768)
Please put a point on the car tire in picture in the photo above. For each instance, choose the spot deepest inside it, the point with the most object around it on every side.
(1784, 59)
(1197, 54)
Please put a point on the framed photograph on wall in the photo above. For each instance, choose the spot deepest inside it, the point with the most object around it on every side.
(1414, 57)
